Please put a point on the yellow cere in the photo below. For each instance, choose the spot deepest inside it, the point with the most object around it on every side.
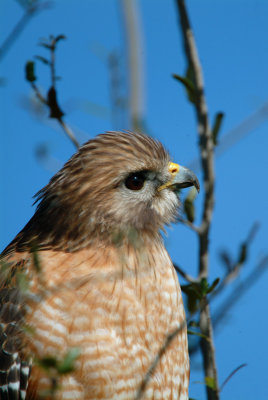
(173, 169)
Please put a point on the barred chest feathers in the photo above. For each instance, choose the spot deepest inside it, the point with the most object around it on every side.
(119, 311)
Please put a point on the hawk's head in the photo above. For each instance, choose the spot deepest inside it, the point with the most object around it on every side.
(115, 182)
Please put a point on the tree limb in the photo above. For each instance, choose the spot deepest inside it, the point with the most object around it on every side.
(51, 100)
(206, 146)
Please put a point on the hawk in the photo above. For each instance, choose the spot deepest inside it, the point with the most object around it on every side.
(90, 271)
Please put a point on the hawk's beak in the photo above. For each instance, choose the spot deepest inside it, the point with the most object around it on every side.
(181, 177)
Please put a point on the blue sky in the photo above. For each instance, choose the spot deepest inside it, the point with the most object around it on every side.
(232, 39)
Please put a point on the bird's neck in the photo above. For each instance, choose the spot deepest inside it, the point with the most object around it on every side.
(43, 234)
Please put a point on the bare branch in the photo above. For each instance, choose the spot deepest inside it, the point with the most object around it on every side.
(66, 128)
(186, 276)
(118, 102)
(206, 146)
(235, 296)
(247, 126)
(134, 43)
(240, 290)
(39, 94)
(170, 337)
(233, 273)
(51, 100)
(208, 349)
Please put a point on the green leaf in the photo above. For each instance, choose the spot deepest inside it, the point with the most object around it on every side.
(55, 110)
(188, 85)
(67, 364)
(197, 334)
(210, 382)
(243, 254)
(204, 286)
(29, 71)
(191, 78)
(185, 81)
(192, 303)
(196, 291)
(216, 127)
(22, 281)
(42, 59)
(60, 37)
(5, 272)
(36, 259)
(117, 238)
(134, 237)
(192, 291)
(48, 362)
(190, 73)
(28, 329)
(46, 45)
(214, 284)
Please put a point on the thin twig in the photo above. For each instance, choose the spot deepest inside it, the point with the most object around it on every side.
(20, 25)
(235, 296)
(170, 337)
(231, 138)
(18, 28)
(232, 374)
(116, 95)
(233, 273)
(51, 100)
(39, 94)
(206, 146)
(66, 128)
(240, 290)
(186, 276)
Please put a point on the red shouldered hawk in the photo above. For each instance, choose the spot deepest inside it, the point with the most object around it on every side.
(101, 281)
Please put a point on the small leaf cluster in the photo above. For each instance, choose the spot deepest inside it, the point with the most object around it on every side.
(61, 366)
(51, 98)
(229, 263)
(195, 330)
(188, 83)
(55, 368)
(196, 291)
(191, 91)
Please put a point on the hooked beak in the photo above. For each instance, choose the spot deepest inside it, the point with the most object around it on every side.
(181, 177)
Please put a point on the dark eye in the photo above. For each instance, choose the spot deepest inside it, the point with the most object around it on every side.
(135, 181)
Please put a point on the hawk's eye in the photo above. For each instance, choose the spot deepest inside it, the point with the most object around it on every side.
(135, 181)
